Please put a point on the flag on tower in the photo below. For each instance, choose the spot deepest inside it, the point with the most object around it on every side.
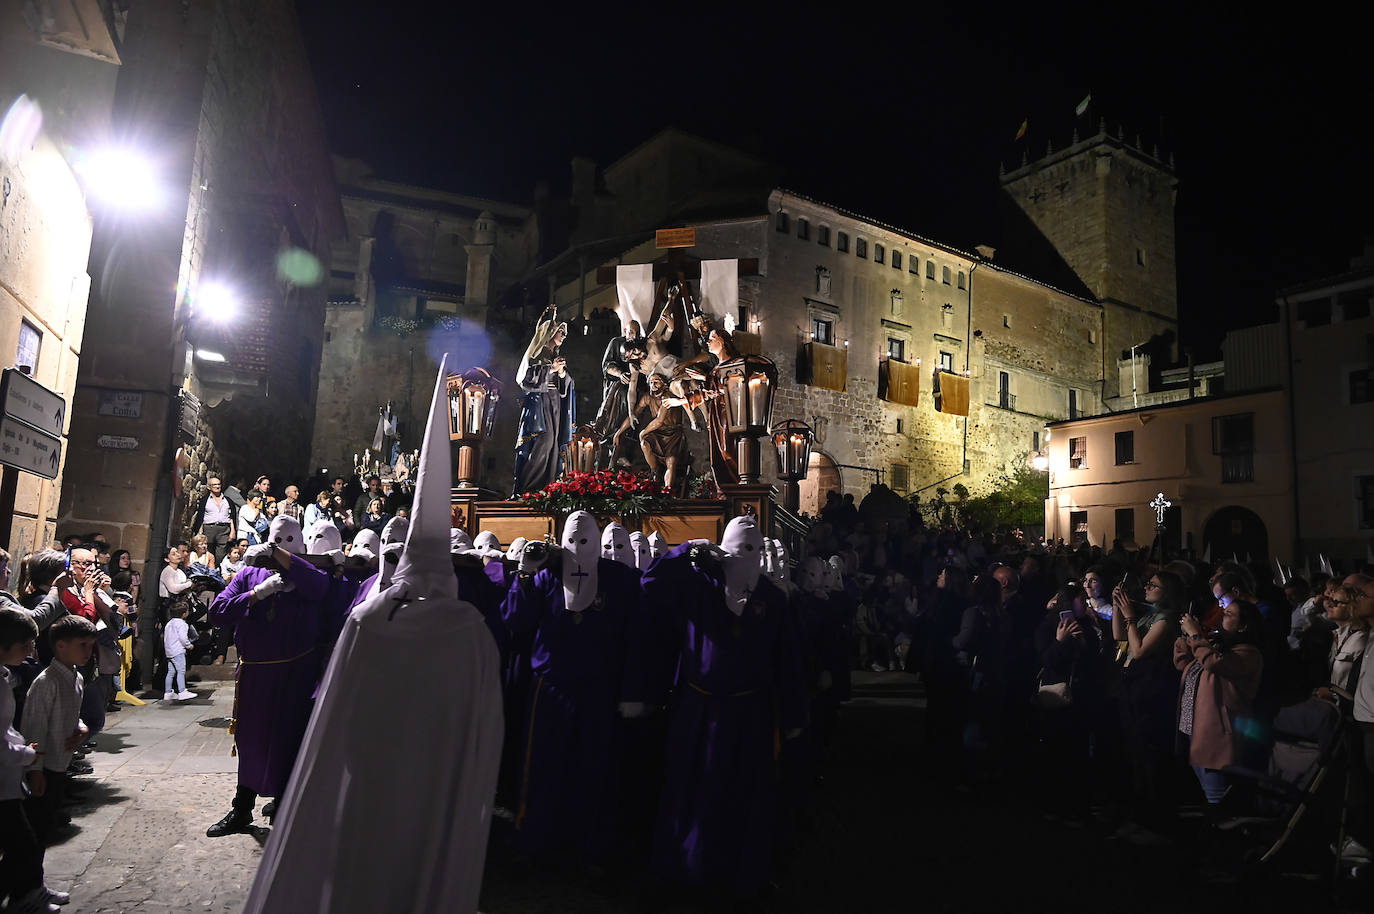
(1083, 105)
(1022, 132)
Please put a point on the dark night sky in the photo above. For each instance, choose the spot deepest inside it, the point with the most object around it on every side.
(900, 113)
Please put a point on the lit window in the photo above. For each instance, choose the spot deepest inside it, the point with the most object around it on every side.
(896, 349)
(946, 361)
(823, 331)
(1078, 453)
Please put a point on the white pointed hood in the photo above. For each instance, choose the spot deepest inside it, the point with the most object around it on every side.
(658, 546)
(488, 546)
(386, 566)
(395, 531)
(743, 561)
(581, 551)
(615, 545)
(426, 567)
(459, 543)
(517, 546)
(640, 544)
(286, 533)
(366, 545)
(323, 537)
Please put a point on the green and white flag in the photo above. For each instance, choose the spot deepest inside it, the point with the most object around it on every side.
(1083, 105)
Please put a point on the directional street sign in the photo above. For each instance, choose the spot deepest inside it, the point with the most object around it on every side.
(32, 403)
(28, 449)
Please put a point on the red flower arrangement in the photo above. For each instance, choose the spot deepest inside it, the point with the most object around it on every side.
(605, 492)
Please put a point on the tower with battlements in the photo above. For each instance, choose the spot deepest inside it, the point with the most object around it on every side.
(1107, 206)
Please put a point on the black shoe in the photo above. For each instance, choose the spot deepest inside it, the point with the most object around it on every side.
(269, 809)
(78, 767)
(236, 822)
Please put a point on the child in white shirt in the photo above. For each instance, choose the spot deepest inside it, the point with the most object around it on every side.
(176, 639)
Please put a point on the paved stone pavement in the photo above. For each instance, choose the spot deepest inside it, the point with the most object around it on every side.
(163, 774)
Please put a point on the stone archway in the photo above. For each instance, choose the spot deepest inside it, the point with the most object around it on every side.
(1236, 530)
(822, 477)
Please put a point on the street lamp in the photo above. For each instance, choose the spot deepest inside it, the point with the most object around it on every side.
(472, 399)
(747, 384)
(792, 446)
(119, 177)
(581, 457)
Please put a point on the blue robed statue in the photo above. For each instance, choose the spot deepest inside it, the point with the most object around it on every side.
(547, 410)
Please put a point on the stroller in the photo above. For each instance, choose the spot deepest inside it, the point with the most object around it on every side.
(1298, 799)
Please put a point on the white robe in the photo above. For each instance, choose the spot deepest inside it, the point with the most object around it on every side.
(389, 806)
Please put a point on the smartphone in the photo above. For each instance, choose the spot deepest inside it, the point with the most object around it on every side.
(1065, 615)
(69, 558)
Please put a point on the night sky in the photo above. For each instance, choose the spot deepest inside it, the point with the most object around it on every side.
(900, 113)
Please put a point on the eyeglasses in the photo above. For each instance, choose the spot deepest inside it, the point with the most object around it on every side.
(84, 562)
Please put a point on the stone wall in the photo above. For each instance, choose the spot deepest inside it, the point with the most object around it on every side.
(45, 240)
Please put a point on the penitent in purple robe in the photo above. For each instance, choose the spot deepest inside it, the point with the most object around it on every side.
(568, 734)
(277, 641)
(738, 689)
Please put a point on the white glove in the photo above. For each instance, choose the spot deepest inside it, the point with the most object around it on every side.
(258, 556)
(632, 709)
(273, 585)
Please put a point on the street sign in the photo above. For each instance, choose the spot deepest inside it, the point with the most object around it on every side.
(675, 238)
(118, 442)
(28, 449)
(25, 399)
(127, 404)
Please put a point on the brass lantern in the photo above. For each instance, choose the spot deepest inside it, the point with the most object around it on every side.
(792, 447)
(747, 385)
(472, 399)
(581, 457)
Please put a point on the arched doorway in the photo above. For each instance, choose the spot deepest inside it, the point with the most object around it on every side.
(1236, 530)
(822, 477)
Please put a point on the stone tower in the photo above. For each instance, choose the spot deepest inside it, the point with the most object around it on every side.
(1107, 206)
(481, 254)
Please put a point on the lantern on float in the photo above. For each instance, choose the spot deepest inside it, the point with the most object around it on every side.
(581, 456)
(792, 447)
(747, 384)
(472, 399)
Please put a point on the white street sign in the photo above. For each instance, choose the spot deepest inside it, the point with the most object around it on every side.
(28, 401)
(29, 450)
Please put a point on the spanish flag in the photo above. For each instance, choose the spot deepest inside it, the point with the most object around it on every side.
(1022, 132)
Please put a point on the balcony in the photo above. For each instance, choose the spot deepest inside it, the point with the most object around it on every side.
(1005, 400)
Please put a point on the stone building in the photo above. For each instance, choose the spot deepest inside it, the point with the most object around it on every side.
(1223, 463)
(412, 278)
(66, 64)
(206, 317)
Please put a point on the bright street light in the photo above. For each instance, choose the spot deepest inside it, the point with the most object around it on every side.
(1040, 462)
(216, 302)
(206, 355)
(120, 178)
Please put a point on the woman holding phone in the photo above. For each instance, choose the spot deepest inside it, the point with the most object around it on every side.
(1148, 697)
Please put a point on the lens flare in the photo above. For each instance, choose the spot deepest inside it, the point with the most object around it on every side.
(20, 128)
(299, 267)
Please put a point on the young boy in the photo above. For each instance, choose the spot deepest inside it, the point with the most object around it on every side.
(176, 641)
(52, 717)
(21, 866)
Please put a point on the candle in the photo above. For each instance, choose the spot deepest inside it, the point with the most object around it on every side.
(758, 400)
(734, 388)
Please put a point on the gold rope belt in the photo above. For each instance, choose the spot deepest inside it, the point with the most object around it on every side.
(234, 715)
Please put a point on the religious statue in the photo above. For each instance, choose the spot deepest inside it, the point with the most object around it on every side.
(547, 409)
(664, 439)
(621, 354)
